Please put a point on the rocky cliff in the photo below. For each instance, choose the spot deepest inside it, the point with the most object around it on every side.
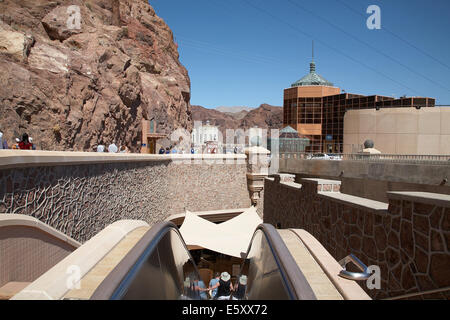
(79, 73)
(266, 117)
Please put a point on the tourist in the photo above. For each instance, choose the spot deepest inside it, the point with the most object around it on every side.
(167, 150)
(199, 288)
(213, 282)
(33, 147)
(162, 151)
(16, 145)
(3, 142)
(25, 144)
(124, 149)
(112, 148)
(174, 150)
(240, 288)
(100, 148)
(224, 287)
(192, 150)
(235, 150)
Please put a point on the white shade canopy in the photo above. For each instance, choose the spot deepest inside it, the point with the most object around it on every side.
(231, 237)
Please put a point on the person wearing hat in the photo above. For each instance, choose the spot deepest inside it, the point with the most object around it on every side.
(113, 148)
(224, 287)
(240, 288)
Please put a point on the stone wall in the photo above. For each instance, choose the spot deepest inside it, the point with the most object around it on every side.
(409, 238)
(372, 180)
(81, 198)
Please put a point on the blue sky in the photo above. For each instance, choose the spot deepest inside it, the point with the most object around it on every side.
(245, 52)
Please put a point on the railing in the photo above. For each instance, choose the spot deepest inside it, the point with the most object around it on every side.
(391, 158)
(160, 267)
(358, 276)
(273, 273)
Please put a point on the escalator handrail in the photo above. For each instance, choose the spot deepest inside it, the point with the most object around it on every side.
(121, 275)
(294, 279)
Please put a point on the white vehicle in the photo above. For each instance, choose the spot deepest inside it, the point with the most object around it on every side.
(320, 156)
(334, 156)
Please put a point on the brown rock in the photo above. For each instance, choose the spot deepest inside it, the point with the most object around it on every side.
(421, 241)
(406, 210)
(380, 238)
(425, 283)
(368, 224)
(435, 218)
(265, 117)
(421, 260)
(421, 223)
(360, 220)
(394, 207)
(447, 240)
(354, 243)
(396, 224)
(423, 208)
(369, 247)
(92, 85)
(393, 259)
(393, 240)
(440, 269)
(406, 238)
(446, 220)
(437, 243)
(62, 22)
(407, 278)
(13, 43)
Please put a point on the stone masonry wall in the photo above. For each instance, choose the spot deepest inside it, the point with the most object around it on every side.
(81, 200)
(409, 240)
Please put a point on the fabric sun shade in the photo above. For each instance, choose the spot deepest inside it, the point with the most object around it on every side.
(231, 237)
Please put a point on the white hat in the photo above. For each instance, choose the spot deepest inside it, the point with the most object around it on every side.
(113, 148)
(225, 276)
(243, 280)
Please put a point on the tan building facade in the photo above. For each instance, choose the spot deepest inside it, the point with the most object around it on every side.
(315, 108)
(424, 131)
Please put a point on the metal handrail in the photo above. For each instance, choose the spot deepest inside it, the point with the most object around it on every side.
(357, 276)
(113, 286)
(392, 158)
(294, 279)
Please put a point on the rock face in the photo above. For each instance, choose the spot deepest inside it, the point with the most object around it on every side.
(266, 117)
(80, 73)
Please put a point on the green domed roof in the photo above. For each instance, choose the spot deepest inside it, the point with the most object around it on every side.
(312, 79)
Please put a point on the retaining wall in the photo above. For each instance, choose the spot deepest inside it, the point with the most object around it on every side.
(80, 193)
(408, 238)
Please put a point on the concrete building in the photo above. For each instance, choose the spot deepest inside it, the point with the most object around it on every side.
(150, 136)
(423, 131)
(316, 108)
(201, 134)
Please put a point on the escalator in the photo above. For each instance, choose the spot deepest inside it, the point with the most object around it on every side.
(160, 267)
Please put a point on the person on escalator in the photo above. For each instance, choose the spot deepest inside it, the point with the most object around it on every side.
(224, 287)
(212, 283)
(199, 288)
(240, 288)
